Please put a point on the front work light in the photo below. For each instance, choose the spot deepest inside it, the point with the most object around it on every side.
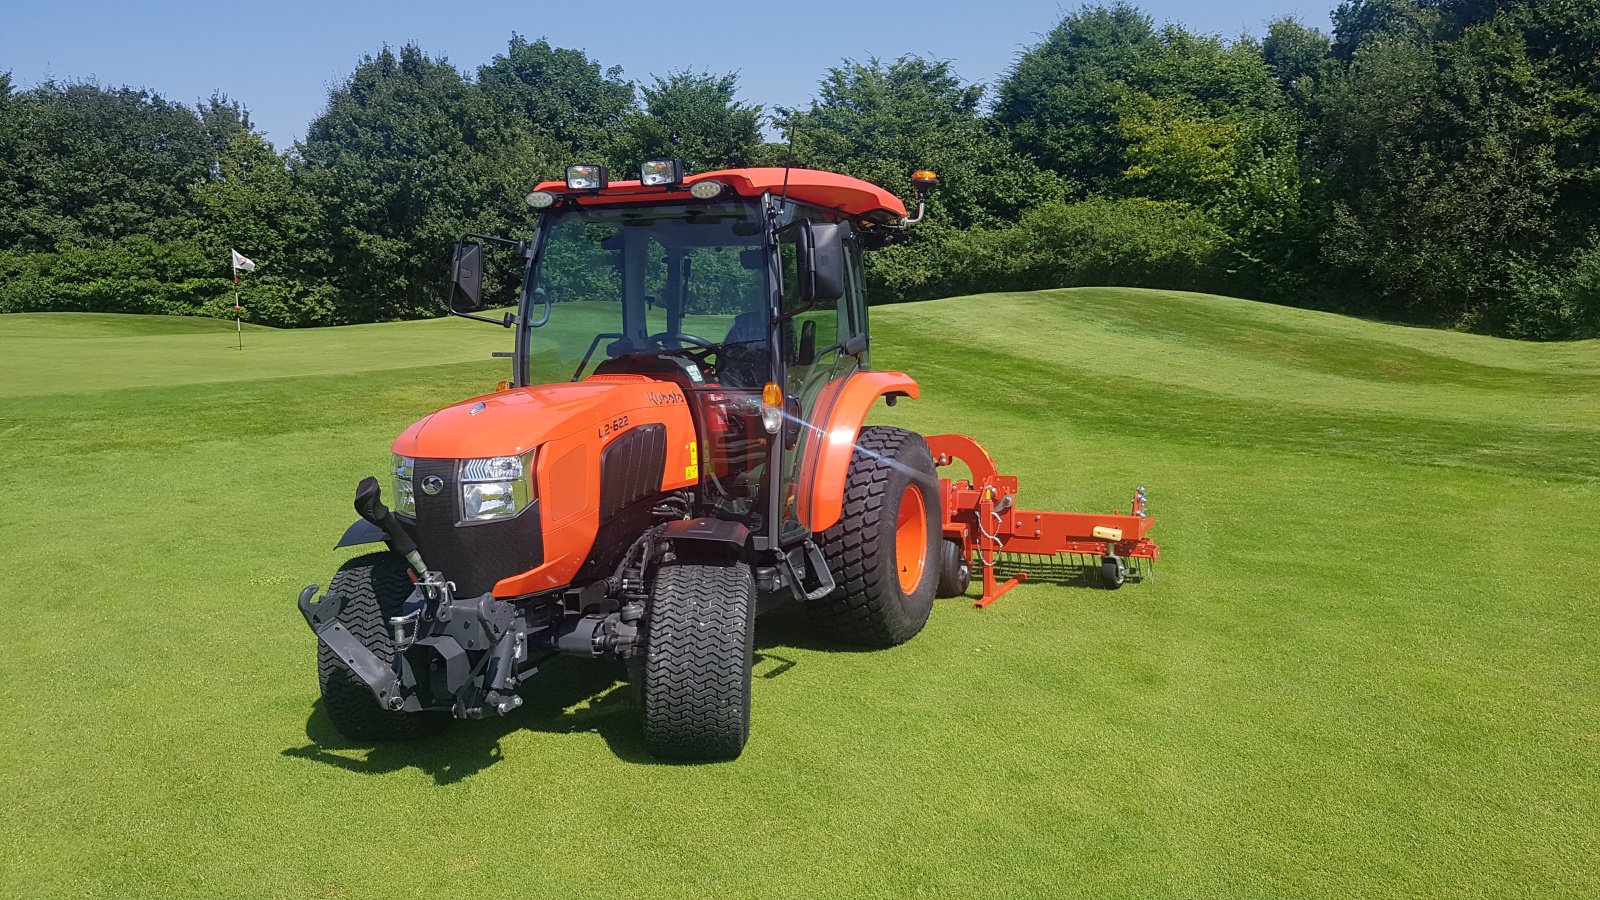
(541, 199)
(586, 178)
(659, 172)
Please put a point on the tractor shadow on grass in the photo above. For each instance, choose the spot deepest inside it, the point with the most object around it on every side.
(569, 696)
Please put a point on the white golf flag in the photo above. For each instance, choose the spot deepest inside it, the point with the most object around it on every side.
(240, 261)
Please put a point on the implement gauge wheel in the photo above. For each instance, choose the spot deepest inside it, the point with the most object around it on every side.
(700, 629)
(885, 551)
(373, 587)
(955, 570)
(1113, 572)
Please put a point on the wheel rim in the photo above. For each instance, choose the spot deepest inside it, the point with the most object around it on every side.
(911, 539)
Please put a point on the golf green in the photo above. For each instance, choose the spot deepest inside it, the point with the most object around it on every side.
(1366, 666)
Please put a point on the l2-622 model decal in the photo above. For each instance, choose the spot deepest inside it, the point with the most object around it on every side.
(613, 426)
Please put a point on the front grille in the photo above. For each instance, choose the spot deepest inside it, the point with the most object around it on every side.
(473, 556)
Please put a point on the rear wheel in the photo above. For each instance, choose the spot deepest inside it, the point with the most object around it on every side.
(884, 550)
(373, 587)
(699, 650)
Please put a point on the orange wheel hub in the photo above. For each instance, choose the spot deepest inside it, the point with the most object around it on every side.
(911, 539)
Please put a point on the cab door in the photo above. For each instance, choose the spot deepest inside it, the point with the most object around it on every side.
(822, 347)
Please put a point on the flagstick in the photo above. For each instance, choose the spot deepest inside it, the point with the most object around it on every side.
(238, 321)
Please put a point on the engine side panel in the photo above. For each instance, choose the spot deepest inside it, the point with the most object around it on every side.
(574, 428)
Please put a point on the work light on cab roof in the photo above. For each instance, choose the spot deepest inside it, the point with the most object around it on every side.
(661, 172)
(586, 178)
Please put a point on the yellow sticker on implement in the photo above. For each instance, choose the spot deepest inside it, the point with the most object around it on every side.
(692, 470)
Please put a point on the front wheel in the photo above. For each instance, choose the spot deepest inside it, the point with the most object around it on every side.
(373, 587)
(884, 551)
(699, 651)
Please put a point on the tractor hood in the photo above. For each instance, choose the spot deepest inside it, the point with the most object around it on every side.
(515, 421)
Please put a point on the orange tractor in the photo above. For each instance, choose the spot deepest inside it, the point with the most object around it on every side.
(681, 448)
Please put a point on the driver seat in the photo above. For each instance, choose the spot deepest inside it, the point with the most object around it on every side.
(742, 358)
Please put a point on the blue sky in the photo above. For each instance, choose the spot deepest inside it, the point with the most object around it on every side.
(279, 58)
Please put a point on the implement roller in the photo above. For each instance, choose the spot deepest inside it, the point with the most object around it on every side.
(981, 517)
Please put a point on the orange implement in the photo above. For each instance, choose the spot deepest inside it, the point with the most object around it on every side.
(981, 515)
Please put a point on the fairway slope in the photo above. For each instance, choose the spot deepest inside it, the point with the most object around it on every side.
(1365, 667)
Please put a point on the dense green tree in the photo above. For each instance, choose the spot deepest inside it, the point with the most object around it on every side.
(881, 122)
(1294, 53)
(84, 164)
(1440, 169)
(1357, 23)
(1059, 102)
(1433, 159)
(693, 116)
(559, 93)
(407, 156)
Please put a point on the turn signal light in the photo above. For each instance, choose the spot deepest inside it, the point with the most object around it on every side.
(772, 407)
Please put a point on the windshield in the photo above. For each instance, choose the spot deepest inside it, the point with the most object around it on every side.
(629, 283)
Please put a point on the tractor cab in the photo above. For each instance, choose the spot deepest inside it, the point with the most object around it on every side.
(741, 288)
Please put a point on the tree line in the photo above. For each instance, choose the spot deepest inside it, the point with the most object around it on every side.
(1429, 161)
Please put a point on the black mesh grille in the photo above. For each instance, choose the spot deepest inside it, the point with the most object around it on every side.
(630, 469)
(473, 556)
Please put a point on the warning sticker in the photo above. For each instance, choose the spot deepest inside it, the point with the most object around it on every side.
(692, 470)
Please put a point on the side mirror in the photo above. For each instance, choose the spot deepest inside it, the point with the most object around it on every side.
(466, 279)
(827, 261)
(819, 265)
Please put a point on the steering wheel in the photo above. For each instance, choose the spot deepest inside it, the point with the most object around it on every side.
(661, 339)
(701, 352)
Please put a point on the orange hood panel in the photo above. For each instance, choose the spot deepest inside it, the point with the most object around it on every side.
(516, 421)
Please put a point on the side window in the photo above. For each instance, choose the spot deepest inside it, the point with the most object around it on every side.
(855, 295)
(658, 281)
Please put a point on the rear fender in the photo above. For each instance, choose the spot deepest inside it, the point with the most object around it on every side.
(840, 412)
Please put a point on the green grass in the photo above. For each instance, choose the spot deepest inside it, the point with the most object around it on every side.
(1366, 668)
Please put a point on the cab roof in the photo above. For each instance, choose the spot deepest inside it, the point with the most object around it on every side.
(851, 196)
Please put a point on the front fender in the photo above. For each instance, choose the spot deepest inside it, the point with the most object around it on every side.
(362, 532)
(840, 411)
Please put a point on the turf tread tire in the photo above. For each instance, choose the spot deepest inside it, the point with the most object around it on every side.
(869, 608)
(373, 587)
(699, 653)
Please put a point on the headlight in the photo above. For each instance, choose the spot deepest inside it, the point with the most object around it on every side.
(405, 501)
(496, 488)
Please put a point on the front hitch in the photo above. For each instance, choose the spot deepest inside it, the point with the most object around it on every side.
(323, 617)
(450, 654)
